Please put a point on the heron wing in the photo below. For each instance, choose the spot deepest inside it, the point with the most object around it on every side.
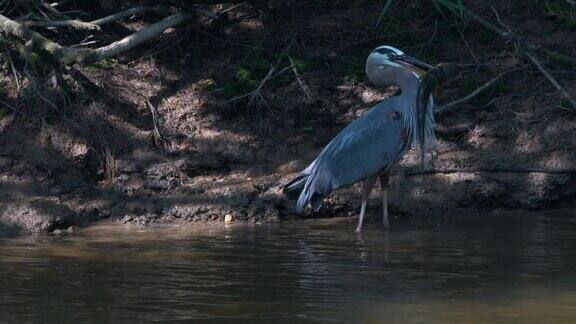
(367, 146)
(370, 144)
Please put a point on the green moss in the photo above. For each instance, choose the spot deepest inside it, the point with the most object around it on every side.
(242, 83)
(350, 79)
(304, 65)
(564, 11)
(564, 104)
(259, 65)
(501, 87)
(106, 63)
(253, 68)
(485, 36)
(388, 26)
(466, 86)
(350, 68)
(40, 62)
(244, 75)
(568, 22)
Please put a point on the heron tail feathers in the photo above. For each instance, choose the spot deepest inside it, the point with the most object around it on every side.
(306, 188)
(312, 192)
(316, 202)
(293, 188)
(299, 189)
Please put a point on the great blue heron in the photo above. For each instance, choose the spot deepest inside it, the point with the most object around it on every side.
(371, 145)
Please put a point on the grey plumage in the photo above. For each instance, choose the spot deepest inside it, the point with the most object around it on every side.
(356, 152)
(372, 144)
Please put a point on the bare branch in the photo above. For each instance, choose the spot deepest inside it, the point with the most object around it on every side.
(129, 12)
(13, 28)
(256, 94)
(509, 36)
(76, 24)
(550, 78)
(141, 36)
(527, 49)
(450, 106)
(68, 55)
(95, 24)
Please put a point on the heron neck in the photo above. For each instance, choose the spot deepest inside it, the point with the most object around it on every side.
(408, 84)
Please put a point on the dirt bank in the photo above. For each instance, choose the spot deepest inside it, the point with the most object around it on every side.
(154, 137)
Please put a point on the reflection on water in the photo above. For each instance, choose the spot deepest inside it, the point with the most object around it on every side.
(499, 268)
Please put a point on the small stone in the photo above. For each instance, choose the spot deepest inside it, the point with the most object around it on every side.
(228, 218)
(57, 232)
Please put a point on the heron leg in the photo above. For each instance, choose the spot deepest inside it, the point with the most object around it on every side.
(367, 185)
(384, 180)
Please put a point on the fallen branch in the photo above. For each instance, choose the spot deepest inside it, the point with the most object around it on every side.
(76, 24)
(96, 24)
(68, 55)
(141, 36)
(493, 170)
(129, 12)
(450, 106)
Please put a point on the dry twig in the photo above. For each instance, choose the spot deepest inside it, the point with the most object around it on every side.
(301, 82)
(447, 108)
(256, 94)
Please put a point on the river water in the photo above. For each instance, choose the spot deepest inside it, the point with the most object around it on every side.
(519, 268)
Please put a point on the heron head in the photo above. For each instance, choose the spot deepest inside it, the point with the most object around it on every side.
(385, 63)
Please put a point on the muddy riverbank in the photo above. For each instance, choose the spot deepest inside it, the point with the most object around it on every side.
(154, 137)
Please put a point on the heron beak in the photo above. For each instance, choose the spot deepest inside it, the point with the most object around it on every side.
(411, 63)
